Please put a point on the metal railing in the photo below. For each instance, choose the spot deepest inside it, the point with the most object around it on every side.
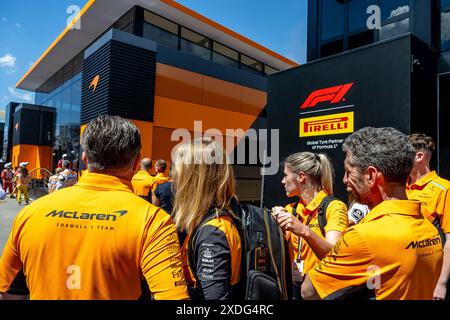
(39, 178)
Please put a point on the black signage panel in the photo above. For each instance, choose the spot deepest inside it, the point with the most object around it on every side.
(317, 105)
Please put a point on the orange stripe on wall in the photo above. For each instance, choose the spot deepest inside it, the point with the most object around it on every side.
(170, 113)
(179, 84)
(146, 129)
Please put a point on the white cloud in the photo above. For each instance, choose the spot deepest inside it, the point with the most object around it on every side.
(8, 61)
(18, 25)
(399, 11)
(20, 96)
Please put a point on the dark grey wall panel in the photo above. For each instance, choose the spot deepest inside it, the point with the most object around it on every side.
(127, 82)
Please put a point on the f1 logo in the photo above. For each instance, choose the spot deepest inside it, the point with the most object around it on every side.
(332, 94)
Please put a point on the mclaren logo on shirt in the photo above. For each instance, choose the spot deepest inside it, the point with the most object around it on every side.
(87, 216)
(424, 243)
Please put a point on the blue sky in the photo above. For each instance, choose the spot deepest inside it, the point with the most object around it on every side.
(28, 27)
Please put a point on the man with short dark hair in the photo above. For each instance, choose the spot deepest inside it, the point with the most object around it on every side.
(160, 178)
(96, 240)
(142, 181)
(433, 193)
(393, 253)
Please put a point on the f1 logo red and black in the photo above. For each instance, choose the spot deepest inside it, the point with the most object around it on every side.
(334, 95)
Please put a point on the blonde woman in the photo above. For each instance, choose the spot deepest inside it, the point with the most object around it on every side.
(211, 252)
(309, 176)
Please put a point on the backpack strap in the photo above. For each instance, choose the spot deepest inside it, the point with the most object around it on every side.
(437, 224)
(294, 209)
(322, 212)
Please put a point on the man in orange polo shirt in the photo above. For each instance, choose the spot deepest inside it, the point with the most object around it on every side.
(160, 177)
(95, 240)
(394, 252)
(433, 193)
(142, 181)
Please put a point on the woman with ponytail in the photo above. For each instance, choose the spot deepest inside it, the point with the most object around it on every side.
(309, 177)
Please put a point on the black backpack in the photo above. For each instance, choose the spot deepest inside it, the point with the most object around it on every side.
(321, 212)
(265, 271)
(265, 257)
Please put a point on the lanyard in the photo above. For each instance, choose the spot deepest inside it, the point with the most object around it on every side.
(300, 240)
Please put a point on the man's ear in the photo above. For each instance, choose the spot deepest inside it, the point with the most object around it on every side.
(137, 162)
(84, 159)
(420, 156)
(373, 175)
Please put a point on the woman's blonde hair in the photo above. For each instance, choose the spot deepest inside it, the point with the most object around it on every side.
(204, 179)
(317, 167)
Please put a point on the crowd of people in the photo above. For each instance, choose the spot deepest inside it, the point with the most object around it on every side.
(16, 183)
(121, 233)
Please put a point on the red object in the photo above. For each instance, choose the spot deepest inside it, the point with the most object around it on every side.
(333, 94)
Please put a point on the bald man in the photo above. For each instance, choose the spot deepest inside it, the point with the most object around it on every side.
(142, 181)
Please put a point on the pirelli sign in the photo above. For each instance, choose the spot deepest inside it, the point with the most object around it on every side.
(327, 125)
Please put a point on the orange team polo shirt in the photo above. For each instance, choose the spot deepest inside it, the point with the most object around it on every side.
(95, 240)
(142, 183)
(337, 220)
(433, 193)
(394, 249)
(160, 178)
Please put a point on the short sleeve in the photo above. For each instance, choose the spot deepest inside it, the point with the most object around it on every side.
(337, 217)
(444, 209)
(213, 263)
(345, 268)
(161, 260)
(10, 264)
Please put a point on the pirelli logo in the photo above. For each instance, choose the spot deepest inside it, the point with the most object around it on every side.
(327, 125)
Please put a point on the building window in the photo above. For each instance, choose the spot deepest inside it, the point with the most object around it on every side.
(361, 39)
(332, 19)
(160, 22)
(445, 30)
(392, 9)
(160, 30)
(125, 23)
(251, 65)
(269, 70)
(332, 47)
(160, 36)
(359, 34)
(225, 55)
(196, 44)
(394, 29)
(357, 15)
